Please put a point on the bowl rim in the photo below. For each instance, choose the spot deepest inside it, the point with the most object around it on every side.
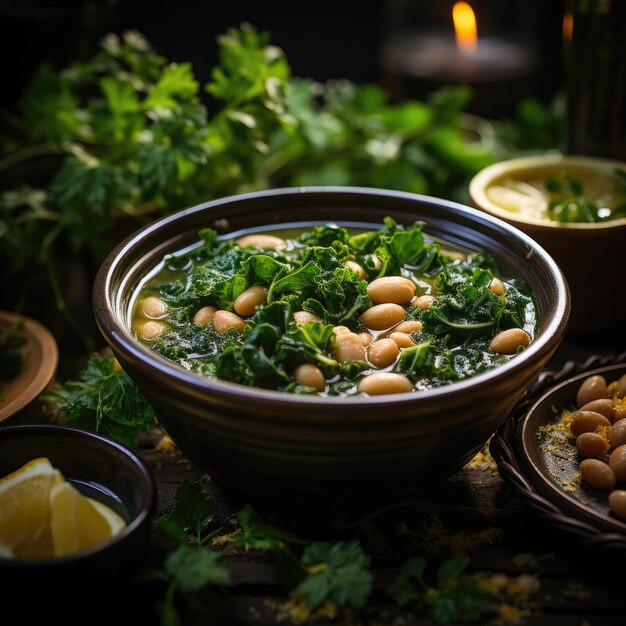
(481, 180)
(121, 341)
(41, 374)
(147, 506)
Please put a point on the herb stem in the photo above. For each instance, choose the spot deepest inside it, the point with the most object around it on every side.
(28, 153)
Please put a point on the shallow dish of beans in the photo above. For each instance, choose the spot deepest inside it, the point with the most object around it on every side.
(331, 344)
(566, 451)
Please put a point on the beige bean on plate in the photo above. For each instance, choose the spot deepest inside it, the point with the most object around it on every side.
(617, 502)
(310, 375)
(381, 383)
(153, 307)
(587, 422)
(617, 462)
(592, 388)
(204, 315)
(591, 445)
(509, 341)
(617, 434)
(395, 289)
(383, 353)
(382, 316)
(604, 406)
(597, 474)
(223, 321)
(247, 301)
(621, 386)
(264, 242)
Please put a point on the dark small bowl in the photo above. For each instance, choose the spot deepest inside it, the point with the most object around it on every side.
(286, 447)
(85, 458)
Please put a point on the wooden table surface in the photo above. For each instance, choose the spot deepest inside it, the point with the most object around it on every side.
(549, 576)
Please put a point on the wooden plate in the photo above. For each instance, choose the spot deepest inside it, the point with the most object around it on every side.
(545, 475)
(41, 356)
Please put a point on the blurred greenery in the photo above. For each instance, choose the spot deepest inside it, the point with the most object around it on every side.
(126, 135)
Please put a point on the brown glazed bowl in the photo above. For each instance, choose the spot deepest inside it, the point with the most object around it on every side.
(590, 255)
(285, 447)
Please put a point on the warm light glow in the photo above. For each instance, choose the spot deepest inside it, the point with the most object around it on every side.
(465, 27)
(568, 26)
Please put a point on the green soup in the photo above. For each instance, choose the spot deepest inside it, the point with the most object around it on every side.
(326, 309)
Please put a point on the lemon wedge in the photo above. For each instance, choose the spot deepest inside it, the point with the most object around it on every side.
(42, 515)
(24, 509)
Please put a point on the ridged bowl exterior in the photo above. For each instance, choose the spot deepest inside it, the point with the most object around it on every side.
(285, 447)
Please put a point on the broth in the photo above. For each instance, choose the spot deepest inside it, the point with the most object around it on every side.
(288, 317)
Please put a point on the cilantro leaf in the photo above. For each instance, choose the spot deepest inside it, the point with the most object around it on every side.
(259, 535)
(194, 568)
(337, 572)
(456, 597)
(192, 512)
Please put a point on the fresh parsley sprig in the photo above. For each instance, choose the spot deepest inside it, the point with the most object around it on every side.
(103, 400)
(453, 597)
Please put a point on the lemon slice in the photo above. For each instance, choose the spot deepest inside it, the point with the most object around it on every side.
(75, 522)
(42, 515)
(116, 522)
(518, 197)
(24, 510)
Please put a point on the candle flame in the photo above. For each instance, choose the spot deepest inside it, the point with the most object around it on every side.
(568, 26)
(465, 27)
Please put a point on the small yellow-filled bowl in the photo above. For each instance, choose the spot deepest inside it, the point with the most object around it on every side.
(591, 255)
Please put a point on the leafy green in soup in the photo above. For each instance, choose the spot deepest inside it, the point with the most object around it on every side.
(331, 311)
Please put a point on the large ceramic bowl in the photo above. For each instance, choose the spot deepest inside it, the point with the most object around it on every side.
(289, 447)
(589, 254)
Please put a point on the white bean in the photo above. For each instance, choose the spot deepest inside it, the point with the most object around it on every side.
(302, 317)
(382, 316)
(223, 321)
(403, 340)
(264, 242)
(310, 375)
(383, 353)
(508, 341)
(497, 286)
(153, 307)
(384, 382)
(348, 347)
(423, 302)
(247, 301)
(357, 268)
(151, 330)
(395, 289)
(204, 316)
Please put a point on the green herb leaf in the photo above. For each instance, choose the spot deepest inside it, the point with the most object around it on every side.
(194, 568)
(192, 512)
(259, 535)
(104, 401)
(337, 572)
